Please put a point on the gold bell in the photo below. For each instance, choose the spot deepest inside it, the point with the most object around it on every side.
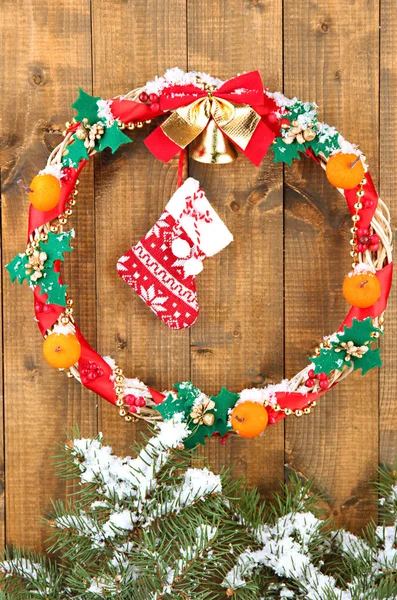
(212, 147)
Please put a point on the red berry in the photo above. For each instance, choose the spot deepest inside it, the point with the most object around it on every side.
(132, 409)
(323, 384)
(155, 106)
(323, 376)
(143, 97)
(373, 247)
(223, 441)
(363, 231)
(309, 383)
(38, 307)
(100, 372)
(47, 309)
(311, 374)
(374, 239)
(140, 401)
(363, 239)
(130, 399)
(91, 376)
(361, 247)
(153, 98)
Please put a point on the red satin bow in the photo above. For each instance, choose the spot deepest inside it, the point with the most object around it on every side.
(243, 89)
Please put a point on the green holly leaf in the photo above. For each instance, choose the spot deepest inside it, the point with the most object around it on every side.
(324, 142)
(368, 361)
(224, 401)
(86, 107)
(49, 284)
(286, 152)
(17, 269)
(302, 108)
(188, 393)
(328, 361)
(113, 138)
(170, 406)
(198, 435)
(359, 332)
(55, 247)
(75, 153)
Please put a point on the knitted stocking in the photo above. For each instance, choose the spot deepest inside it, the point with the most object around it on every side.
(162, 266)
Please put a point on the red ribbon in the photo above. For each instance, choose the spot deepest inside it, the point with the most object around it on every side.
(243, 89)
(367, 212)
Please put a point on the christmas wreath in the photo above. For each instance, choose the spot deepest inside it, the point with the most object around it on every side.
(215, 118)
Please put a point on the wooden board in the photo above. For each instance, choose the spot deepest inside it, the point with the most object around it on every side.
(131, 190)
(332, 58)
(388, 181)
(238, 339)
(255, 306)
(47, 55)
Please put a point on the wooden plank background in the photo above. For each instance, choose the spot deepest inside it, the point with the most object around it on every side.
(265, 301)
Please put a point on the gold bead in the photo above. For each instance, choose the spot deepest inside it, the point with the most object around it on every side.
(43, 236)
(63, 220)
(354, 265)
(34, 244)
(29, 251)
(375, 334)
(131, 126)
(314, 403)
(148, 121)
(128, 418)
(72, 202)
(122, 412)
(353, 253)
(121, 124)
(68, 310)
(65, 320)
(358, 206)
(364, 181)
(298, 412)
(77, 182)
(69, 302)
(287, 411)
(352, 242)
(119, 390)
(353, 230)
(307, 411)
(75, 192)
(54, 228)
(139, 124)
(118, 371)
(276, 407)
(119, 379)
(119, 402)
(70, 375)
(355, 218)
(68, 212)
(360, 193)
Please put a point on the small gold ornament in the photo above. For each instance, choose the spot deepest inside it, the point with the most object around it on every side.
(352, 350)
(36, 264)
(200, 414)
(298, 133)
(212, 147)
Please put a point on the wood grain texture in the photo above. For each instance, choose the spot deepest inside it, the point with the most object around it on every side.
(388, 182)
(131, 190)
(238, 340)
(323, 51)
(39, 402)
(330, 56)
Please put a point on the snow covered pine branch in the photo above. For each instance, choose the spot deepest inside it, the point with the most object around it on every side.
(153, 527)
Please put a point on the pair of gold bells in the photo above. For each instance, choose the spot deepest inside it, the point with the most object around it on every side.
(211, 146)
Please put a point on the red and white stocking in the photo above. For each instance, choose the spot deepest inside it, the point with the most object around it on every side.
(162, 266)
